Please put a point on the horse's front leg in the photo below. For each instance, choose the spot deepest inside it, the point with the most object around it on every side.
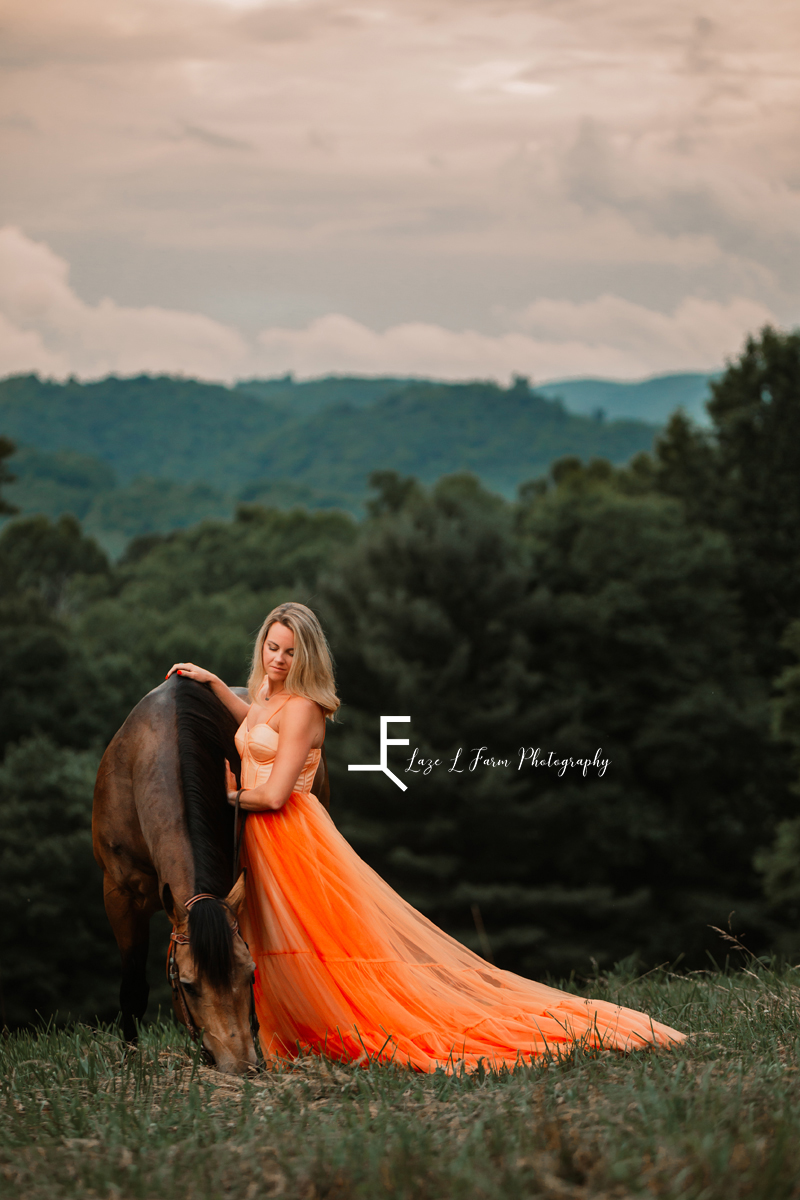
(130, 922)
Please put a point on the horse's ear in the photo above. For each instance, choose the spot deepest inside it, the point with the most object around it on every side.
(235, 897)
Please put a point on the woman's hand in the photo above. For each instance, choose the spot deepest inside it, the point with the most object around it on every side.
(234, 703)
(191, 672)
(253, 800)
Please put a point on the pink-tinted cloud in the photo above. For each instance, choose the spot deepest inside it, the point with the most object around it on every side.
(426, 162)
(46, 327)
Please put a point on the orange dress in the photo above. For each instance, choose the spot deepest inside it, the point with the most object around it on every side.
(346, 968)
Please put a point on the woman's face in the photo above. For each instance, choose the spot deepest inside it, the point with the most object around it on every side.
(278, 652)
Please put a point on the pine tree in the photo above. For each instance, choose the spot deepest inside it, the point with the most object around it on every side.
(743, 478)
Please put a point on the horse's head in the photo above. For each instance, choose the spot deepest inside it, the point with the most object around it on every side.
(211, 974)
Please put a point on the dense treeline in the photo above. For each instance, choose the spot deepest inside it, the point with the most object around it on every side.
(646, 615)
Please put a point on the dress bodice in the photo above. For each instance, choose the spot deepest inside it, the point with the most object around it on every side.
(258, 747)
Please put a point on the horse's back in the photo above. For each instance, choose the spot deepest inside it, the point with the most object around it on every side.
(140, 761)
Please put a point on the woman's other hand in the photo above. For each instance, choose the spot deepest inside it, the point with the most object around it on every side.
(234, 703)
(191, 671)
(254, 800)
(231, 786)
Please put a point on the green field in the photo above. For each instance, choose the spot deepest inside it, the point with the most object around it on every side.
(718, 1117)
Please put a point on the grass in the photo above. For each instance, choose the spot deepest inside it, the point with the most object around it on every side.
(718, 1117)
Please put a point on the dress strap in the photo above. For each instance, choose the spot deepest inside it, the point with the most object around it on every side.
(285, 696)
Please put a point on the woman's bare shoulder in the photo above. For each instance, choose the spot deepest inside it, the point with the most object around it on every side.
(303, 718)
(303, 707)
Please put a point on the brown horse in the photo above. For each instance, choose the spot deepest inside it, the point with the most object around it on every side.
(163, 834)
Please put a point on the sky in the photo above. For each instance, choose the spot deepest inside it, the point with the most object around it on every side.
(449, 188)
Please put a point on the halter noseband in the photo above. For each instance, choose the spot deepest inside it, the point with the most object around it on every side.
(174, 976)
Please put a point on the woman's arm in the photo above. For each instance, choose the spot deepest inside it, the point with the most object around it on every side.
(302, 728)
(238, 707)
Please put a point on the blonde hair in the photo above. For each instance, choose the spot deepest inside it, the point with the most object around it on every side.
(311, 672)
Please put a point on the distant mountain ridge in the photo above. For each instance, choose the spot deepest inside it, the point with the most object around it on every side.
(652, 399)
(324, 434)
(504, 435)
(148, 453)
(309, 396)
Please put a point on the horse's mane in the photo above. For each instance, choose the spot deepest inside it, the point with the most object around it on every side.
(206, 731)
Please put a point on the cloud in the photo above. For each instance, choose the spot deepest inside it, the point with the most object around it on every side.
(46, 327)
(218, 141)
(508, 77)
(697, 335)
(608, 337)
(410, 160)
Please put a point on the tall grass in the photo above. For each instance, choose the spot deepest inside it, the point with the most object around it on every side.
(717, 1117)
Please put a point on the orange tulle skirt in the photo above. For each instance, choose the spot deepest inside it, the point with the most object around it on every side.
(346, 968)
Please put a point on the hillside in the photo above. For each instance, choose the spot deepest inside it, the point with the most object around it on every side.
(160, 426)
(648, 400)
(504, 435)
(312, 395)
(225, 438)
(651, 400)
(151, 453)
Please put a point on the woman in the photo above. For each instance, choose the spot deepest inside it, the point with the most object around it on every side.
(345, 966)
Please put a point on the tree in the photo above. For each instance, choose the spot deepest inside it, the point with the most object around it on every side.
(201, 594)
(47, 680)
(634, 624)
(743, 478)
(779, 863)
(44, 560)
(585, 619)
(7, 448)
(57, 954)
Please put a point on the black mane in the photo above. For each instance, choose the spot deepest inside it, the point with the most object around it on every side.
(206, 731)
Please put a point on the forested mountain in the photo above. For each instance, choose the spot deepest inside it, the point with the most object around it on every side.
(135, 455)
(652, 400)
(65, 481)
(160, 426)
(504, 435)
(649, 400)
(307, 396)
(188, 431)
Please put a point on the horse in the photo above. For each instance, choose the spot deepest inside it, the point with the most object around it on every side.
(163, 834)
